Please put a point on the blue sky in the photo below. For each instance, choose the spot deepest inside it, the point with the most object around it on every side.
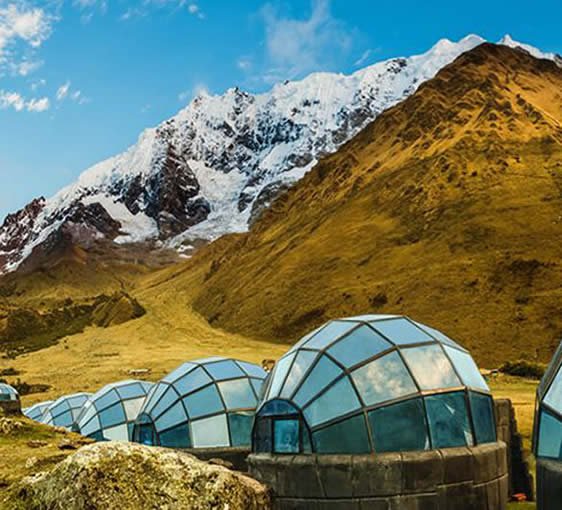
(80, 79)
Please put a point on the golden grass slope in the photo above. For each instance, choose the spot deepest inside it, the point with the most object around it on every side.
(446, 208)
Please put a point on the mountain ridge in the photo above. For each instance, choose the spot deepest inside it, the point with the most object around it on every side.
(215, 166)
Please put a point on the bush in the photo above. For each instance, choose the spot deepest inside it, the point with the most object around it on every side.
(522, 368)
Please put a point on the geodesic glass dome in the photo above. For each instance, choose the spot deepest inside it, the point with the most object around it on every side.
(7, 392)
(205, 403)
(547, 436)
(64, 411)
(110, 413)
(374, 383)
(37, 411)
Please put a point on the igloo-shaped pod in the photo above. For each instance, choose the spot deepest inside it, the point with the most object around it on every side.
(547, 435)
(206, 403)
(109, 415)
(37, 411)
(9, 399)
(374, 383)
(64, 411)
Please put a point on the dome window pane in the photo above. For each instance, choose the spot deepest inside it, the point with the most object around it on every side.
(430, 367)
(338, 400)
(348, 436)
(361, 344)
(448, 420)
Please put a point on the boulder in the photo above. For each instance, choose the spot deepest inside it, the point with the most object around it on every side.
(131, 476)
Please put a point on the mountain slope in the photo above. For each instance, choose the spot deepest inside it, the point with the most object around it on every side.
(447, 207)
(215, 166)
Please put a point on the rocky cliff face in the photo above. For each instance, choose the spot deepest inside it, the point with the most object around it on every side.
(214, 167)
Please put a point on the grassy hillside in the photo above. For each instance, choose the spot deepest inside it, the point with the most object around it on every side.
(447, 208)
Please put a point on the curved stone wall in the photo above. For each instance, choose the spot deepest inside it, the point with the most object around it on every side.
(234, 457)
(549, 484)
(449, 479)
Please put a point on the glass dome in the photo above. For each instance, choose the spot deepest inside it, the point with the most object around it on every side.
(205, 403)
(8, 393)
(64, 411)
(374, 383)
(547, 437)
(110, 413)
(37, 411)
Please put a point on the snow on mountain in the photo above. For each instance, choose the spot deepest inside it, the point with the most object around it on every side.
(213, 167)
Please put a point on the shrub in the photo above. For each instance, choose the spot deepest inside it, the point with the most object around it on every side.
(522, 368)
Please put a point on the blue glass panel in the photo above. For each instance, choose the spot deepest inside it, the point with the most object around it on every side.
(438, 335)
(400, 427)
(210, 432)
(448, 420)
(347, 437)
(237, 394)
(263, 436)
(402, 331)
(466, 368)
(131, 391)
(203, 402)
(483, 418)
(340, 399)
(258, 385)
(286, 436)
(550, 436)
(279, 374)
(107, 399)
(166, 401)
(240, 428)
(306, 337)
(383, 379)
(59, 407)
(278, 408)
(64, 419)
(192, 381)
(252, 370)
(226, 369)
(77, 401)
(361, 344)
(430, 367)
(178, 437)
(172, 416)
(303, 361)
(554, 394)
(329, 334)
(154, 396)
(112, 416)
(323, 373)
(183, 369)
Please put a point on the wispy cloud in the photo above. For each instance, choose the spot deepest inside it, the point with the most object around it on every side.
(299, 46)
(244, 63)
(38, 83)
(15, 101)
(187, 95)
(75, 95)
(62, 91)
(143, 8)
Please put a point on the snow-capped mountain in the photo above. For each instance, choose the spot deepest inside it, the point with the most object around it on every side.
(213, 167)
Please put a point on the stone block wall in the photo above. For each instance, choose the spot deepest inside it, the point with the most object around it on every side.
(472, 478)
(520, 479)
(234, 458)
(549, 485)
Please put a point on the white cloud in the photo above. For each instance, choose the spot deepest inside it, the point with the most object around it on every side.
(244, 63)
(62, 91)
(296, 47)
(193, 8)
(19, 103)
(38, 83)
(199, 90)
(363, 58)
(25, 67)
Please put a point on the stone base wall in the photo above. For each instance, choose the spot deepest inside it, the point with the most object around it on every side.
(520, 479)
(473, 478)
(234, 458)
(10, 407)
(549, 485)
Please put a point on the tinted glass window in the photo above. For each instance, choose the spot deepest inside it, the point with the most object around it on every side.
(383, 379)
(172, 416)
(90, 427)
(448, 420)
(155, 395)
(402, 331)
(467, 369)
(237, 394)
(286, 436)
(550, 436)
(145, 434)
(554, 394)
(302, 363)
(106, 400)
(178, 437)
(224, 370)
(348, 436)
(400, 427)
(205, 401)
(112, 416)
(340, 399)
(179, 372)
(277, 407)
(240, 428)
(131, 391)
(166, 401)
(431, 367)
(252, 370)
(210, 432)
(438, 335)
(64, 419)
(263, 435)
(323, 373)
(281, 369)
(258, 385)
(330, 334)
(483, 418)
(192, 381)
(361, 344)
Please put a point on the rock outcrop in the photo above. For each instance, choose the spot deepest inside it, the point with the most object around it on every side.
(130, 476)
